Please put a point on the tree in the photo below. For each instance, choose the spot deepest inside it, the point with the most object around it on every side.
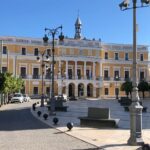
(127, 87)
(10, 84)
(143, 86)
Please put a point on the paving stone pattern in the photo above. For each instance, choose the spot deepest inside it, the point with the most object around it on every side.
(19, 130)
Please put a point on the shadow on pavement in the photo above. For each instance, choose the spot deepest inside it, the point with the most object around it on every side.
(19, 119)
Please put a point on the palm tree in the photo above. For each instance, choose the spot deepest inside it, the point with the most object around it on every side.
(143, 86)
(127, 87)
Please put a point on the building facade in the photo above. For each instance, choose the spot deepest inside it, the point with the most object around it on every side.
(83, 68)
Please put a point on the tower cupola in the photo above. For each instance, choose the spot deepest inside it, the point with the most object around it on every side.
(78, 25)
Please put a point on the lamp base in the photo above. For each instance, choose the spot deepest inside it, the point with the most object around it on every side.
(134, 141)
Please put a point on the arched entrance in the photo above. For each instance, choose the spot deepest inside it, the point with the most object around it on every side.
(71, 90)
(90, 90)
(80, 90)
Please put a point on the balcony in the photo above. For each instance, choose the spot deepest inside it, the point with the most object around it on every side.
(117, 78)
(23, 76)
(107, 78)
(35, 76)
(48, 76)
(127, 79)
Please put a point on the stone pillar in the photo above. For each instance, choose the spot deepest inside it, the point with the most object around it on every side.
(75, 69)
(93, 70)
(85, 90)
(85, 70)
(76, 90)
(94, 91)
(59, 88)
(101, 71)
(66, 69)
(67, 90)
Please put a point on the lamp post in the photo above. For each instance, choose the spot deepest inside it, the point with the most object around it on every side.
(135, 108)
(53, 32)
(42, 66)
(116, 91)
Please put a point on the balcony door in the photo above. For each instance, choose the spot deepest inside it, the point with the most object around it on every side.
(35, 73)
(88, 74)
(70, 73)
(23, 72)
(79, 73)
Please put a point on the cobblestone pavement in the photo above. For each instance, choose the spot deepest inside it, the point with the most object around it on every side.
(19, 130)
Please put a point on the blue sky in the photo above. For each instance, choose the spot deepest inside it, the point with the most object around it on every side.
(100, 18)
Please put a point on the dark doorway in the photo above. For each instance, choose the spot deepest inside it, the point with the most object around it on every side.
(71, 90)
(80, 90)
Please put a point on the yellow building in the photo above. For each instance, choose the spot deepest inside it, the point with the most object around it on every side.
(84, 68)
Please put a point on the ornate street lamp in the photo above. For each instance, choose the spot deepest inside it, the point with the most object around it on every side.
(116, 90)
(43, 61)
(53, 32)
(135, 108)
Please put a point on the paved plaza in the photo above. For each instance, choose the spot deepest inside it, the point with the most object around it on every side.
(104, 138)
(19, 130)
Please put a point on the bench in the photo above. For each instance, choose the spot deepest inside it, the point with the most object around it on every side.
(98, 117)
(58, 106)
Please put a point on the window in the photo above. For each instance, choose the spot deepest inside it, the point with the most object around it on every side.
(141, 57)
(116, 74)
(70, 73)
(126, 56)
(4, 50)
(88, 74)
(141, 75)
(116, 56)
(36, 52)
(79, 73)
(106, 55)
(23, 72)
(126, 74)
(35, 73)
(106, 91)
(48, 73)
(4, 69)
(106, 77)
(35, 90)
(23, 51)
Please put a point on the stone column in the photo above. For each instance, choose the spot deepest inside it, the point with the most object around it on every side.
(76, 90)
(101, 71)
(67, 90)
(66, 69)
(85, 70)
(59, 88)
(93, 71)
(85, 90)
(94, 91)
(75, 69)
